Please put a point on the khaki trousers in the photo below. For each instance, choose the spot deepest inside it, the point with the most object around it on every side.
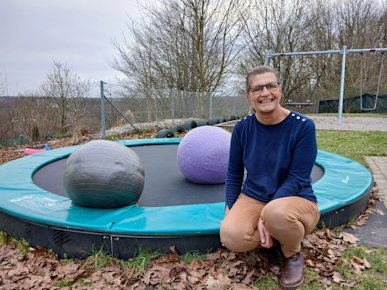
(287, 219)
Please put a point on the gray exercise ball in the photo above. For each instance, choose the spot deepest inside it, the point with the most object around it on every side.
(103, 174)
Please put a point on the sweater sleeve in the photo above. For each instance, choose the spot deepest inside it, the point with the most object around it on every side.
(303, 158)
(235, 172)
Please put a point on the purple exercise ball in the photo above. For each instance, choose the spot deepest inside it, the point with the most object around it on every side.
(202, 155)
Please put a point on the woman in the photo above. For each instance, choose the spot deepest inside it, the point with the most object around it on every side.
(274, 206)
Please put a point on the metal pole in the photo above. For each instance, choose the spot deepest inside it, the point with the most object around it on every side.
(355, 50)
(318, 106)
(210, 106)
(103, 124)
(234, 105)
(268, 57)
(173, 106)
(341, 100)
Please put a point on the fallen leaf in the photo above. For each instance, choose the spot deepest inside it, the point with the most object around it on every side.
(348, 237)
(378, 211)
(349, 284)
(249, 277)
(326, 282)
(219, 282)
(307, 244)
(337, 277)
(367, 264)
(331, 254)
(328, 233)
(357, 260)
(357, 268)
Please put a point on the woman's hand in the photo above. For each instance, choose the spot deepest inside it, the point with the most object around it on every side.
(264, 235)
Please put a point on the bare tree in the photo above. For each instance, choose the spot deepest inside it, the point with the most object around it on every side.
(2, 86)
(27, 116)
(311, 25)
(279, 26)
(188, 45)
(68, 91)
(7, 118)
(356, 24)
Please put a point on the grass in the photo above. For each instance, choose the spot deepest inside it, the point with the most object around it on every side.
(22, 246)
(99, 259)
(370, 282)
(63, 283)
(311, 281)
(374, 278)
(114, 137)
(354, 145)
(377, 257)
(67, 283)
(3, 238)
(267, 283)
(189, 257)
(141, 261)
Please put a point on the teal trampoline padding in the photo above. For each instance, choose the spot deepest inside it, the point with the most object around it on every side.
(344, 181)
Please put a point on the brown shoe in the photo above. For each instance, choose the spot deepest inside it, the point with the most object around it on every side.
(292, 271)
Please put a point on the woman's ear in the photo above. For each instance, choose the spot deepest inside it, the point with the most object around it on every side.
(247, 98)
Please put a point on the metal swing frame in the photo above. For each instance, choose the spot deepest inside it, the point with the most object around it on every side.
(343, 51)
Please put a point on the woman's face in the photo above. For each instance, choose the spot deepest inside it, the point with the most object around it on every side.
(264, 94)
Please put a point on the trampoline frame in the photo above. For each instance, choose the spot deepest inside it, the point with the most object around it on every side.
(195, 229)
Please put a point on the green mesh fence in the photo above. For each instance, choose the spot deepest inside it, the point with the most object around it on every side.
(356, 104)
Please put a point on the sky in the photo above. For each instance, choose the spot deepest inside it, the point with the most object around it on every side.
(79, 33)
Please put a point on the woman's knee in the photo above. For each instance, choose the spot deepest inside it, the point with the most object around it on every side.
(276, 216)
(238, 238)
(230, 232)
(275, 210)
(291, 211)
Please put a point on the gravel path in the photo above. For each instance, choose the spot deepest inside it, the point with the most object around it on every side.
(322, 123)
(350, 123)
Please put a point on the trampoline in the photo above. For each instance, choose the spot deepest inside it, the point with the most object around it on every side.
(171, 211)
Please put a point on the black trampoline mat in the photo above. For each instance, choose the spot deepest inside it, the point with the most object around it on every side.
(164, 183)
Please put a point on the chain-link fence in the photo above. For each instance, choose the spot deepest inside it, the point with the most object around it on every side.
(172, 106)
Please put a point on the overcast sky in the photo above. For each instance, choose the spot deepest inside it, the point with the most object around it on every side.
(34, 33)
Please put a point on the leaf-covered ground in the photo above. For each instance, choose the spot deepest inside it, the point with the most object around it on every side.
(23, 267)
(332, 257)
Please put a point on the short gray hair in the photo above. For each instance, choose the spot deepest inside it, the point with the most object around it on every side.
(261, 69)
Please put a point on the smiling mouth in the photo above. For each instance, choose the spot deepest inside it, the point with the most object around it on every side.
(265, 101)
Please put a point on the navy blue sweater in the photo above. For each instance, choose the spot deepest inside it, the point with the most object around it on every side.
(278, 159)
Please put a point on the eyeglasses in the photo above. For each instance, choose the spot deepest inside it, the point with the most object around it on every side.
(270, 87)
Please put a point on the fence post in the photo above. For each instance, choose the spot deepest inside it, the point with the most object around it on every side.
(211, 115)
(173, 105)
(103, 116)
(234, 105)
(342, 81)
